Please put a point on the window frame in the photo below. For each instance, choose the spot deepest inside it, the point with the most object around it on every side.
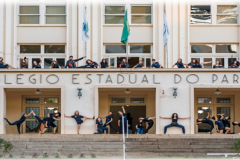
(190, 14)
(143, 5)
(45, 14)
(30, 5)
(104, 15)
(227, 14)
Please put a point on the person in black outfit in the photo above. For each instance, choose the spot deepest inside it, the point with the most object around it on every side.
(24, 63)
(206, 120)
(236, 123)
(99, 126)
(124, 123)
(53, 117)
(54, 64)
(174, 122)
(194, 64)
(20, 121)
(156, 64)
(41, 121)
(139, 126)
(89, 64)
(150, 122)
(71, 63)
(79, 119)
(123, 64)
(103, 64)
(4, 65)
(234, 64)
(109, 120)
(139, 65)
(219, 125)
(180, 64)
(37, 65)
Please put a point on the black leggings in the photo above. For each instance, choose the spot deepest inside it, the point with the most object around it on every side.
(101, 130)
(174, 125)
(150, 124)
(110, 125)
(15, 123)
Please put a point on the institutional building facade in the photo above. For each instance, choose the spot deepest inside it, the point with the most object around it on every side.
(52, 30)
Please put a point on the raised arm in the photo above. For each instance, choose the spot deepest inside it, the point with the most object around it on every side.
(67, 116)
(123, 109)
(208, 115)
(166, 117)
(40, 62)
(29, 114)
(110, 121)
(75, 60)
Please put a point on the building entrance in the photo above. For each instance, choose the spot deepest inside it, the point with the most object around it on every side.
(132, 112)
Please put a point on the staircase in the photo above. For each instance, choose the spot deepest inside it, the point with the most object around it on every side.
(112, 146)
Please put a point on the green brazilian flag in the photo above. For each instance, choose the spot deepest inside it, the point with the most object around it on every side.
(126, 30)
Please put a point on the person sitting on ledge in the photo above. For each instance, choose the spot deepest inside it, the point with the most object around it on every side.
(156, 64)
(24, 63)
(37, 65)
(139, 65)
(4, 65)
(89, 64)
(71, 63)
(194, 64)
(234, 64)
(206, 120)
(180, 64)
(103, 64)
(123, 64)
(54, 64)
(219, 125)
(174, 122)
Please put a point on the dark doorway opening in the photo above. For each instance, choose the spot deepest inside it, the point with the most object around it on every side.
(131, 60)
(132, 113)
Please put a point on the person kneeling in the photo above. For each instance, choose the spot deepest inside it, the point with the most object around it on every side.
(99, 127)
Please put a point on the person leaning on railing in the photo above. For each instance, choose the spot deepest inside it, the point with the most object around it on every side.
(234, 64)
(180, 64)
(24, 63)
(54, 64)
(194, 64)
(4, 65)
(156, 64)
(139, 65)
(37, 65)
(123, 63)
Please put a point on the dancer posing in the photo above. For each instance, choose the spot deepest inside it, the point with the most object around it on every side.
(206, 120)
(109, 120)
(219, 125)
(41, 121)
(71, 63)
(24, 63)
(139, 126)
(79, 119)
(194, 64)
(123, 64)
(53, 117)
(103, 64)
(174, 122)
(180, 64)
(20, 121)
(4, 65)
(139, 65)
(149, 121)
(37, 65)
(124, 123)
(156, 64)
(99, 126)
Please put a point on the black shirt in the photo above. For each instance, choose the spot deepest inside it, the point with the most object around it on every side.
(226, 123)
(125, 118)
(77, 118)
(108, 118)
(104, 65)
(140, 125)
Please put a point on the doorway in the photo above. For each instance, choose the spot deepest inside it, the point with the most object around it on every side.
(132, 113)
(132, 61)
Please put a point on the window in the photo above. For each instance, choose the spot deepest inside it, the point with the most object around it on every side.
(112, 62)
(50, 100)
(32, 126)
(202, 113)
(29, 15)
(115, 48)
(204, 100)
(221, 60)
(209, 64)
(118, 100)
(54, 48)
(48, 110)
(47, 62)
(55, 15)
(141, 15)
(137, 100)
(223, 100)
(227, 14)
(61, 62)
(226, 48)
(200, 14)
(32, 100)
(140, 48)
(224, 110)
(229, 61)
(114, 14)
(34, 109)
(201, 48)
(30, 49)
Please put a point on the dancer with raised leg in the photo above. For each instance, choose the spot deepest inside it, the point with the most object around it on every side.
(206, 120)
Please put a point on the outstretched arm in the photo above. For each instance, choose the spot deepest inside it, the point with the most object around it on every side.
(184, 118)
(29, 114)
(165, 117)
(151, 118)
(185, 65)
(67, 116)
(208, 115)
(173, 66)
(75, 60)
(123, 109)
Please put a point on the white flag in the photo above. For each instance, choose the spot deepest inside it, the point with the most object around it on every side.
(85, 31)
(165, 30)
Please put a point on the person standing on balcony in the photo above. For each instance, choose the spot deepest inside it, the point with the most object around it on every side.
(234, 64)
(4, 65)
(71, 63)
(180, 64)
(79, 119)
(206, 120)
(109, 120)
(150, 122)
(156, 64)
(99, 126)
(122, 124)
(103, 64)
(174, 122)
(139, 65)
(24, 63)
(37, 65)
(194, 64)
(123, 63)
(20, 121)
(54, 64)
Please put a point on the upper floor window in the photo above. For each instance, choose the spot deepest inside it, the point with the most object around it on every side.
(140, 48)
(30, 48)
(205, 48)
(114, 14)
(200, 14)
(227, 14)
(226, 48)
(141, 15)
(55, 15)
(29, 15)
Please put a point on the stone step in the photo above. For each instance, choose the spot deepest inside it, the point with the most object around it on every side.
(179, 146)
(180, 150)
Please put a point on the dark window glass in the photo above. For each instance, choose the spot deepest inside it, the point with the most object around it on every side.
(61, 62)
(34, 109)
(198, 9)
(137, 100)
(115, 48)
(30, 49)
(114, 19)
(112, 62)
(141, 9)
(229, 61)
(118, 100)
(223, 100)
(114, 10)
(50, 100)
(204, 100)
(201, 48)
(224, 110)
(148, 62)
(140, 48)
(200, 19)
(54, 49)
(208, 65)
(226, 48)
(47, 62)
(32, 126)
(32, 100)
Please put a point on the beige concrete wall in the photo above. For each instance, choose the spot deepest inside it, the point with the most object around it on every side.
(214, 34)
(104, 104)
(14, 106)
(41, 34)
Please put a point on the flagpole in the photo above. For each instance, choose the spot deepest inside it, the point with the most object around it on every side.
(166, 48)
(127, 50)
(85, 43)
